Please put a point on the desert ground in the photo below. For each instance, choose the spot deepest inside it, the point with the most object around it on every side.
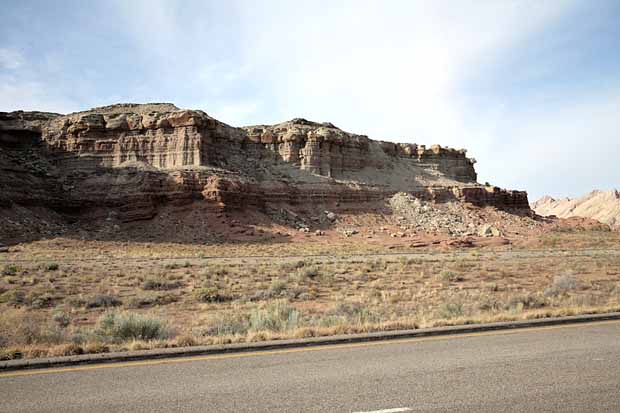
(64, 295)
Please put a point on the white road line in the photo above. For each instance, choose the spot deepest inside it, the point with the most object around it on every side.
(395, 410)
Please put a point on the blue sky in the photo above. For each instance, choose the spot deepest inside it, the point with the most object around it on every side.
(530, 88)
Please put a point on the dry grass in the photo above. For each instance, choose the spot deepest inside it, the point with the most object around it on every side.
(51, 303)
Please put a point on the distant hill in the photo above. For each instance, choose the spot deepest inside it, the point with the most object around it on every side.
(604, 206)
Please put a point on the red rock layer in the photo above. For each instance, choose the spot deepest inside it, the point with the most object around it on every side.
(134, 158)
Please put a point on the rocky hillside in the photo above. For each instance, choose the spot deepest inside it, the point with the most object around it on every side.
(603, 206)
(127, 161)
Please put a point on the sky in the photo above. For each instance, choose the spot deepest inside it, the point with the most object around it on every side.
(530, 88)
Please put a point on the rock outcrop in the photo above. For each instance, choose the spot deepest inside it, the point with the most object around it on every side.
(603, 206)
(133, 158)
(323, 149)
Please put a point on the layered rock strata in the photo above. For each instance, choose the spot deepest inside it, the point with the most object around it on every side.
(135, 157)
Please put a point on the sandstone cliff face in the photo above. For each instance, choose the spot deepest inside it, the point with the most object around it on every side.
(159, 135)
(134, 158)
(322, 148)
(165, 137)
(603, 206)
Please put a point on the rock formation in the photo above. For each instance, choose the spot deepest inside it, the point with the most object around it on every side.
(603, 206)
(133, 158)
(323, 149)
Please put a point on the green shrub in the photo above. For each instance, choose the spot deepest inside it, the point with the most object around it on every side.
(278, 316)
(37, 299)
(121, 327)
(451, 310)
(10, 269)
(52, 266)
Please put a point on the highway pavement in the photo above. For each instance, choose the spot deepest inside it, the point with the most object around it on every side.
(560, 368)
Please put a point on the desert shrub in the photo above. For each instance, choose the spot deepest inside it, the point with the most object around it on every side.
(211, 294)
(561, 285)
(148, 300)
(450, 276)
(119, 327)
(70, 349)
(18, 327)
(276, 316)
(489, 303)
(159, 283)
(61, 318)
(13, 297)
(351, 313)
(277, 287)
(38, 299)
(451, 310)
(228, 323)
(52, 266)
(530, 301)
(259, 295)
(311, 272)
(102, 300)
(10, 269)
(291, 266)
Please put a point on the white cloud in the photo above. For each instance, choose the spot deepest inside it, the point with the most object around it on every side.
(237, 113)
(391, 69)
(18, 94)
(10, 59)
(564, 150)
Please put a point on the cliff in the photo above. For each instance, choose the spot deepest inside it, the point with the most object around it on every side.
(134, 158)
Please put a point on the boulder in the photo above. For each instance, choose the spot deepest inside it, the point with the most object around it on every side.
(488, 230)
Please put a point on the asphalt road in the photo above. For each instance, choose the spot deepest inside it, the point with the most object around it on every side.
(563, 368)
